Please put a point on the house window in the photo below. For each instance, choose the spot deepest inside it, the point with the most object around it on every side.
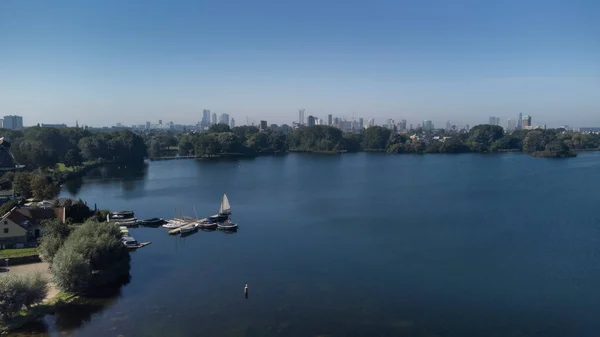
(5, 230)
(5, 222)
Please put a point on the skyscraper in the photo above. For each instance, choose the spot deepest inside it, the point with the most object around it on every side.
(224, 118)
(232, 123)
(147, 125)
(511, 125)
(361, 123)
(402, 125)
(13, 122)
(448, 125)
(520, 121)
(494, 120)
(301, 117)
(214, 118)
(205, 118)
(427, 125)
(329, 119)
(311, 119)
(525, 121)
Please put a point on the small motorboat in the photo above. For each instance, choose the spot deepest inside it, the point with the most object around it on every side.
(187, 230)
(132, 223)
(130, 242)
(227, 225)
(153, 222)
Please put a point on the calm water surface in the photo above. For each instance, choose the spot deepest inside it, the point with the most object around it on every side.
(359, 245)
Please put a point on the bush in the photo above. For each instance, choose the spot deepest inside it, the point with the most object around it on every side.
(55, 234)
(91, 259)
(71, 270)
(18, 291)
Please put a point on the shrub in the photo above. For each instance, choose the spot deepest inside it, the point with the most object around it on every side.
(91, 259)
(71, 270)
(55, 234)
(18, 291)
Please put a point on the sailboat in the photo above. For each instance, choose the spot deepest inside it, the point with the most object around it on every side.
(223, 221)
(224, 211)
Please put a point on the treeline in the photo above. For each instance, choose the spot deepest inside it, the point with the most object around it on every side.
(38, 147)
(220, 140)
(44, 150)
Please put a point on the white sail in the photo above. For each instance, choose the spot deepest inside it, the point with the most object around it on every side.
(225, 207)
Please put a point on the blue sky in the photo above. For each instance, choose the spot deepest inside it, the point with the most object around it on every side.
(109, 61)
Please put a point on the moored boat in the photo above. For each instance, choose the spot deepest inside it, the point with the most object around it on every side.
(227, 225)
(152, 222)
(171, 224)
(189, 229)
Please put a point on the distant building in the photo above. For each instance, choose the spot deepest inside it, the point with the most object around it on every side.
(526, 121)
(427, 125)
(494, 120)
(224, 119)
(520, 121)
(171, 125)
(147, 125)
(12, 122)
(262, 126)
(361, 123)
(329, 119)
(371, 122)
(159, 122)
(402, 125)
(311, 121)
(205, 118)
(511, 125)
(56, 126)
(232, 123)
(448, 125)
(213, 119)
(301, 117)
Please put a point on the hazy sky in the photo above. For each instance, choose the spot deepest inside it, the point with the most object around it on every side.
(109, 61)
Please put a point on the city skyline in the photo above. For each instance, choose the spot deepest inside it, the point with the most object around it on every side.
(462, 61)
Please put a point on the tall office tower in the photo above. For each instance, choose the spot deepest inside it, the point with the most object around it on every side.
(224, 119)
(205, 118)
(311, 120)
(520, 121)
(213, 120)
(301, 117)
(402, 125)
(329, 119)
(526, 121)
(232, 123)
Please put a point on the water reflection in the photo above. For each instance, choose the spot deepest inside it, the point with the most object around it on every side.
(73, 186)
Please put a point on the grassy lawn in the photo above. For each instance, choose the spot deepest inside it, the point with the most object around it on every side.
(10, 253)
(64, 168)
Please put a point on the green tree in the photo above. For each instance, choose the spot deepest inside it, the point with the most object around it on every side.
(73, 158)
(376, 138)
(534, 141)
(18, 291)
(21, 184)
(91, 259)
(481, 137)
(219, 128)
(55, 234)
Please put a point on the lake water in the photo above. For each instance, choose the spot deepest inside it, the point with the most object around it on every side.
(359, 245)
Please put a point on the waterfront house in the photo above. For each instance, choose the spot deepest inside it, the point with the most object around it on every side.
(20, 227)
